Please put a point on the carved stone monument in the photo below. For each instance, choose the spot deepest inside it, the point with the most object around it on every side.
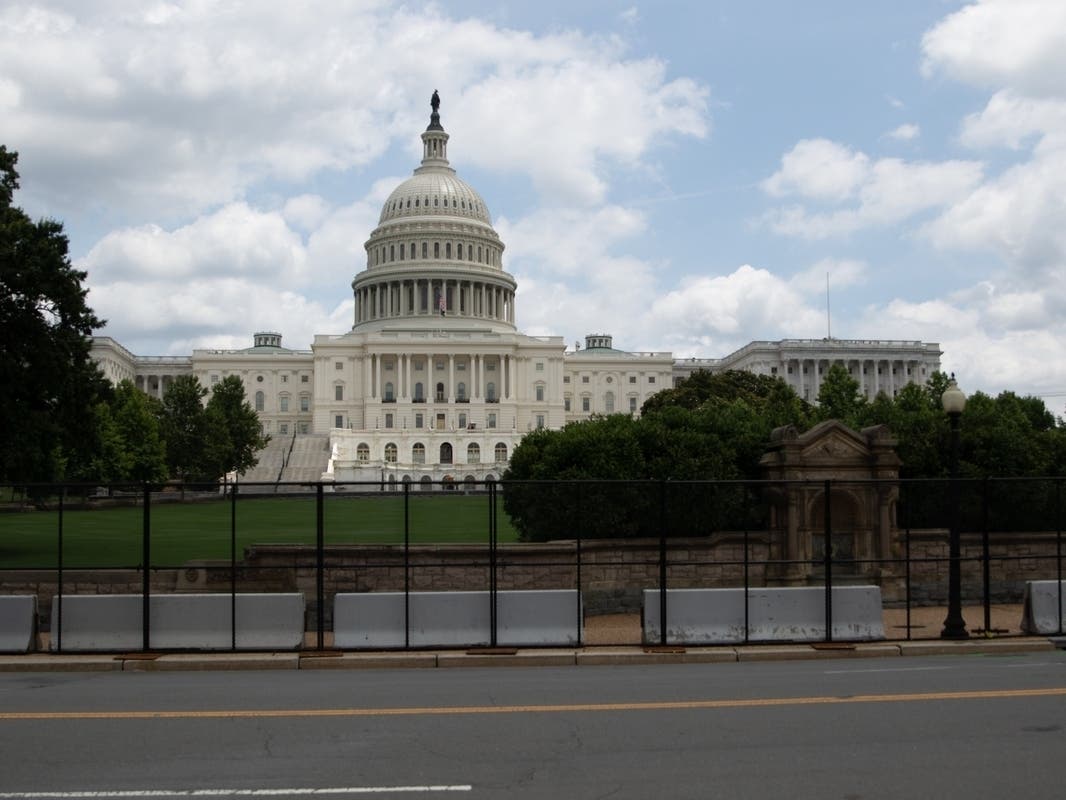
(863, 469)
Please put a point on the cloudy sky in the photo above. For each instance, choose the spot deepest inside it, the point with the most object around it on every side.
(686, 175)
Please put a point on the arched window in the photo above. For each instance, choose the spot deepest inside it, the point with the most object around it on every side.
(392, 483)
(448, 483)
(362, 452)
(447, 249)
(418, 453)
(460, 391)
(501, 452)
(390, 453)
(392, 252)
(608, 402)
(436, 245)
(473, 453)
(412, 251)
(426, 483)
(490, 392)
(440, 392)
(425, 249)
(419, 393)
(389, 396)
(446, 453)
(260, 399)
(459, 251)
(469, 483)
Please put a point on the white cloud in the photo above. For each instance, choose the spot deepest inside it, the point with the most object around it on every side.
(176, 109)
(906, 132)
(1018, 43)
(1010, 120)
(887, 191)
(819, 169)
(841, 274)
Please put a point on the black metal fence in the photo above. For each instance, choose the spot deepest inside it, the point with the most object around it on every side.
(610, 540)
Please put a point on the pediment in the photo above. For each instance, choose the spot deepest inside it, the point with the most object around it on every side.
(833, 441)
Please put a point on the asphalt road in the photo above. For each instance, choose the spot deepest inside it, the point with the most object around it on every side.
(972, 727)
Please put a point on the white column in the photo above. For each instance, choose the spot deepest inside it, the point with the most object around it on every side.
(407, 395)
(477, 375)
(451, 378)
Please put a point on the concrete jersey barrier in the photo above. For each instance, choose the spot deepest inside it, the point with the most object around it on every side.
(1044, 607)
(18, 623)
(778, 614)
(457, 619)
(179, 622)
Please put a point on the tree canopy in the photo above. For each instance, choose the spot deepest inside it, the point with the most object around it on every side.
(49, 382)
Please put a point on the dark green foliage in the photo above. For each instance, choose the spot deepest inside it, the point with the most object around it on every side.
(232, 430)
(184, 426)
(840, 397)
(50, 384)
(136, 418)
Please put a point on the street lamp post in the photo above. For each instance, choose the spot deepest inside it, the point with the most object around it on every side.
(954, 401)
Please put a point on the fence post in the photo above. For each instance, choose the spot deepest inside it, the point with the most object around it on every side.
(827, 557)
(407, 564)
(320, 567)
(747, 562)
(662, 562)
(577, 550)
(492, 567)
(232, 567)
(59, 577)
(986, 558)
(146, 580)
(906, 557)
(1058, 543)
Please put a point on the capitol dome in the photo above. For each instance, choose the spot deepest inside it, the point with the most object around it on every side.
(434, 254)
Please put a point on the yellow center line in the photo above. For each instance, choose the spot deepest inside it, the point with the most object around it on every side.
(680, 705)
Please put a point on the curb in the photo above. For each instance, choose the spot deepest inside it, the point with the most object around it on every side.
(587, 656)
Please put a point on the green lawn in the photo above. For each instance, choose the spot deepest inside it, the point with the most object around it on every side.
(182, 532)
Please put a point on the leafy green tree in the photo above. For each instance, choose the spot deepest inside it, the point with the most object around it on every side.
(184, 426)
(136, 415)
(839, 397)
(232, 429)
(50, 384)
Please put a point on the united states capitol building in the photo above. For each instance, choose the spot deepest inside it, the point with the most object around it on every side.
(434, 382)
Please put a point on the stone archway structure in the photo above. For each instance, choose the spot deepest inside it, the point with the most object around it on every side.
(863, 470)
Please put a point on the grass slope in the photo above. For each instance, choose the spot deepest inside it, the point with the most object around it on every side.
(182, 532)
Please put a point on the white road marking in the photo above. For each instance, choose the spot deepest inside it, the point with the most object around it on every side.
(333, 790)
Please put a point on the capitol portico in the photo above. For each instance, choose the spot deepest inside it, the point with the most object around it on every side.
(434, 382)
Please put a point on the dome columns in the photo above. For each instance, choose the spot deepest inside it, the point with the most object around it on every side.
(466, 298)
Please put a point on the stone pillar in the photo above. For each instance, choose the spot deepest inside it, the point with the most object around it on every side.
(451, 378)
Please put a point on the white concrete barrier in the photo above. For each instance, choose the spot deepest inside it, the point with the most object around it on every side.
(18, 623)
(779, 614)
(456, 619)
(179, 622)
(1041, 610)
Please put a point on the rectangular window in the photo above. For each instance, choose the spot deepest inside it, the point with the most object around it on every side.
(540, 421)
(388, 366)
(491, 423)
(566, 403)
(540, 366)
(304, 427)
(284, 378)
(305, 403)
(438, 365)
(632, 405)
(418, 420)
(566, 379)
(418, 366)
(540, 394)
(462, 421)
(338, 421)
(338, 365)
(632, 378)
(304, 378)
(585, 404)
(283, 428)
(490, 367)
(460, 367)
(214, 379)
(338, 392)
(388, 420)
(651, 379)
(283, 402)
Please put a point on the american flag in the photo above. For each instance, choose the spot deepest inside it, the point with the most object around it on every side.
(441, 305)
